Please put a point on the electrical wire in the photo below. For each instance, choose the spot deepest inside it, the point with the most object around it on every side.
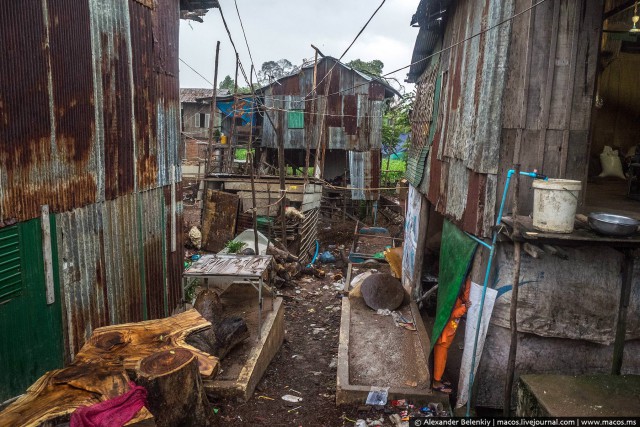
(348, 47)
(195, 71)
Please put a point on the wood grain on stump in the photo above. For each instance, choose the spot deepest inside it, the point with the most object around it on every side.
(99, 371)
(175, 393)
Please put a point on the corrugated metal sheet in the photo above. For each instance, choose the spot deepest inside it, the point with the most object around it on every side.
(364, 172)
(90, 126)
(114, 264)
(95, 112)
(353, 119)
(467, 134)
(518, 93)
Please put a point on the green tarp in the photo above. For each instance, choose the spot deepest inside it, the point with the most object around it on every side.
(456, 254)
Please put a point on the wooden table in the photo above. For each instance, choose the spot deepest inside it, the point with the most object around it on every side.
(583, 235)
(251, 269)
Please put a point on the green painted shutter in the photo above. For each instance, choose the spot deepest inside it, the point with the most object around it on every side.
(10, 267)
(296, 119)
(31, 341)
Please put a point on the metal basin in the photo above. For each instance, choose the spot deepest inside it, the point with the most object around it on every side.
(613, 225)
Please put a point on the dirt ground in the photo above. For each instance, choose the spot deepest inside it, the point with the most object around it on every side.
(305, 365)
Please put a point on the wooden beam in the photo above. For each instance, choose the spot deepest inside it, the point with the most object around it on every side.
(618, 9)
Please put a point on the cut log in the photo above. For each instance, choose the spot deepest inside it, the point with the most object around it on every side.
(224, 333)
(54, 396)
(176, 394)
(209, 305)
(99, 371)
(313, 271)
(130, 342)
(281, 255)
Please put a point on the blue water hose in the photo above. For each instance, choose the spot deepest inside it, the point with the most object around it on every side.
(315, 255)
(492, 247)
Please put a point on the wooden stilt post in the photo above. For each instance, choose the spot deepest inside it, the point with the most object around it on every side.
(232, 137)
(513, 347)
(281, 173)
(212, 119)
(313, 118)
(251, 165)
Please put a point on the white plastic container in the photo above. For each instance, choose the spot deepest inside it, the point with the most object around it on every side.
(554, 204)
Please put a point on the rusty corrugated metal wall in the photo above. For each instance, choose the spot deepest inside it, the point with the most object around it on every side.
(95, 111)
(519, 93)
(89, 125)
(353, 119)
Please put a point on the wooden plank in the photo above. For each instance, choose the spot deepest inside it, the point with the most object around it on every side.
(543, 120)
(219, 221)
(518, 66)
(541, 42)
(47, 255)
(551, 165)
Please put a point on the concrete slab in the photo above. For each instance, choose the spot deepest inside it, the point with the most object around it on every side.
(245, 365)
(579, 396)
(373, 352)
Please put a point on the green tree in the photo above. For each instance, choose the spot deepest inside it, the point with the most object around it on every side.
(274, 70)
(396, 122)
(373, 67)
(228, 83)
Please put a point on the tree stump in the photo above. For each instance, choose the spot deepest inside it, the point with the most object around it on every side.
(176, 394)
(128, 343)
(100, 370)
(55, 395)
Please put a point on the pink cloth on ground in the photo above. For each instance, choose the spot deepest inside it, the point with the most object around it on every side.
(113, 412)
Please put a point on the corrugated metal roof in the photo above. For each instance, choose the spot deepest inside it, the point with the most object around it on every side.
(191, 94)
(94, 115)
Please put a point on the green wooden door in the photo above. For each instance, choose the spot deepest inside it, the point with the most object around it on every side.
(31, 340)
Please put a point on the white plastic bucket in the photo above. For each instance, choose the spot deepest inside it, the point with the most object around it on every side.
(554, 204)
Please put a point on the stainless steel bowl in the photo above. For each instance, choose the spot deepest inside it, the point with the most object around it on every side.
(613, 225)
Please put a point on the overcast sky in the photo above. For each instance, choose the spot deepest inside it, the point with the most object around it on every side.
(286, 29)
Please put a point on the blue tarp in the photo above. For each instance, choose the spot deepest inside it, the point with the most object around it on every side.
(245, 109)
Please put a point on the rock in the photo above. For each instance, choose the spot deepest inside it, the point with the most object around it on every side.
(247, 251)
(382, 291)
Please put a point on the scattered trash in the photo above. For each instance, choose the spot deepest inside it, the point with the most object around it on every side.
(291, 398)
(316, 331)
(266, 397)
(334, 362)
(195, 257)
(375, 423)
(216, 410)
(411, 383)
(327, 257)
(399, 402)
(293, 409)
(378, 396)
(195, 236)
(361, 423)
(339, 284)
(337, 277)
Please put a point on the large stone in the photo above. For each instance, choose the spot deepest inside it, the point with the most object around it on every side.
(382, 291)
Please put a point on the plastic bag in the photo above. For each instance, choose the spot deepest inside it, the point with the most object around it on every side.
(611, 165)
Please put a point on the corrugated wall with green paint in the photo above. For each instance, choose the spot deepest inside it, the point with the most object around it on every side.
(30, 329)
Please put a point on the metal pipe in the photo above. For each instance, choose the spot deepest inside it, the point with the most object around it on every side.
(494, 237)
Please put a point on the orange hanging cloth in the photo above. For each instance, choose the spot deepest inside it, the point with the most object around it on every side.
(441, 349)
